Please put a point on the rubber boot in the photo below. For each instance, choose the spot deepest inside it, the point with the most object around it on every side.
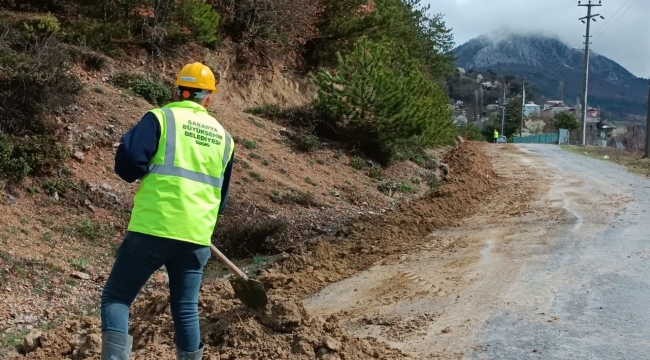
(116, 346)
(197, 355)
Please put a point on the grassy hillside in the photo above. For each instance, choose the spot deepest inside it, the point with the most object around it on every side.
(75, 77)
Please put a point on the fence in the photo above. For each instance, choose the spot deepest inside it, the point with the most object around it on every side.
(548, 138)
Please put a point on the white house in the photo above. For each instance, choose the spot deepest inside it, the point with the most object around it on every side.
(530, 109)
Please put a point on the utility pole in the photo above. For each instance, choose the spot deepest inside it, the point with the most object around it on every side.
(523, 104)
(647, 127)
(503, 108)
(503, 102)
(476, 115)
(585, 85)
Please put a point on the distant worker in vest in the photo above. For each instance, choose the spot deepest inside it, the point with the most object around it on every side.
(496, 135)
(184, 158)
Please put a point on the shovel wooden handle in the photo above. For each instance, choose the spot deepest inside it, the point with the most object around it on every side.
(227, 262)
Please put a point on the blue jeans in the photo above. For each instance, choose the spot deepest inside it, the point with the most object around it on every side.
(138, 257)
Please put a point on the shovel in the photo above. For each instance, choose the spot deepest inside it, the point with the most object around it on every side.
(250, 292)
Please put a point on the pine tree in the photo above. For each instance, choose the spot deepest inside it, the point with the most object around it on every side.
(203, 21)
(380, 94)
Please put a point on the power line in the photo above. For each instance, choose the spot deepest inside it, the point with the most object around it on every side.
(614, 13)
(612, 20)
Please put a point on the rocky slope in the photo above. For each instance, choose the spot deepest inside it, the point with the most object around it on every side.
(550, 61)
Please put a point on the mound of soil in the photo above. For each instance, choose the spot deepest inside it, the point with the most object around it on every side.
(284, 330)
(319, 263)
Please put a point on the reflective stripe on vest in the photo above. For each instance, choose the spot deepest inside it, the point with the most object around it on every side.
(168, 167)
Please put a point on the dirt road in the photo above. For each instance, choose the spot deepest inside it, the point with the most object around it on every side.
(556, 267)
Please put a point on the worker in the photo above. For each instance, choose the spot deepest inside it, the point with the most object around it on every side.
(184, 158)
(496, 135)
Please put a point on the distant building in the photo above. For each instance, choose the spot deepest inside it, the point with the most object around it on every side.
(531, 109)
(487, 84)
(552, 103)
(593, 116)
(555, 106)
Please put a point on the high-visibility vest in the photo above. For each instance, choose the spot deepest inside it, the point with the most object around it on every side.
(179, 198)
(496, 135)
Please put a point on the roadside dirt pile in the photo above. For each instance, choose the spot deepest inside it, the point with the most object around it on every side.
(284, 330)
(318, 263)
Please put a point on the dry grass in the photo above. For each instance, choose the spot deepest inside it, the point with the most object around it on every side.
(634, 161)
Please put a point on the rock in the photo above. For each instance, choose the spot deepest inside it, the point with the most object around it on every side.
(30, 319)
(304, 348)
(106, 187)
(444, 167)
(78, 155)
(161, 278)
(335, 193)
(8, 199)
(446, 330)
(9, 353)
(80, 275)
(332, 344)
(32, 341)
(116, 145)
(56, 196)
(606, 157)
(321, 352)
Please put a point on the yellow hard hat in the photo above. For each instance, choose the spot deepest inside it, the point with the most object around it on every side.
(196, 76)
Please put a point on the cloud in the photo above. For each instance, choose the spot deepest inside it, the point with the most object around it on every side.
(624, 35)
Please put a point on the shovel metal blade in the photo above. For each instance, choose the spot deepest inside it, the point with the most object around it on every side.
(250, 292)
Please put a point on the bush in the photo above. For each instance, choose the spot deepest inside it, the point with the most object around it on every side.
(153, 91)
(471, 132)
(357, 163)
(306, 199)
(382, 97)
(393, 186)
(307, 143)
(250, 145)
(35, 82)
(38, 28)
(269, 111)
(567, 121)
(273, 28)
(33, 156)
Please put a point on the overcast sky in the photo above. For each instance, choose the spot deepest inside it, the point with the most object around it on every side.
(624, 35)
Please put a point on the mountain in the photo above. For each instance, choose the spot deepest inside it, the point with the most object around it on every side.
(550, 61)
